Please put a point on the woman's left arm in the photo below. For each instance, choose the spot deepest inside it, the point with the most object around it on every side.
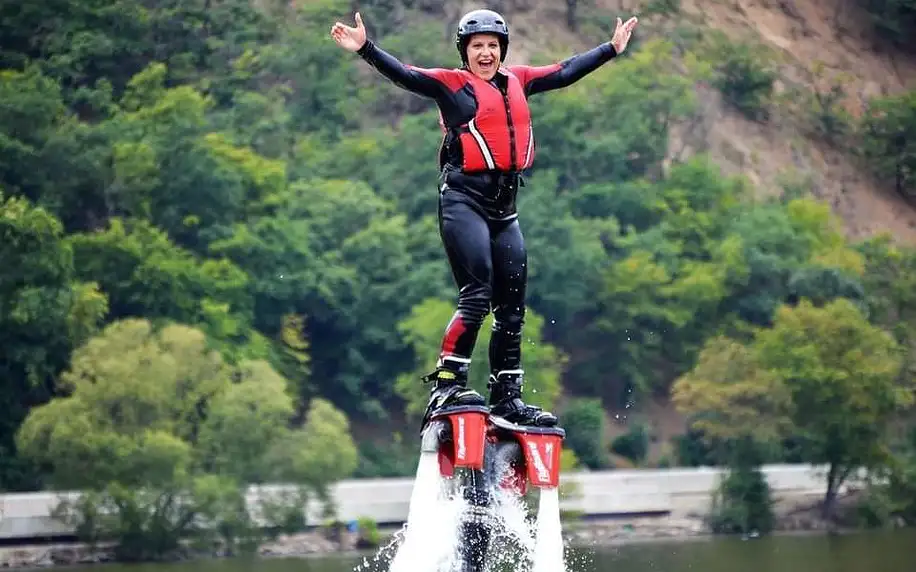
(537, 79)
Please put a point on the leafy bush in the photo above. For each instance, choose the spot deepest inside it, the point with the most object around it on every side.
(742, 503)
(894, 20)
(369, 535)
(888, 131)
(692, 450)
(634, 444)
(585, 426)
(743, 74)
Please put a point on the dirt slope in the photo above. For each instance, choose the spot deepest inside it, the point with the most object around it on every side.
(808, 34)
(805, 35)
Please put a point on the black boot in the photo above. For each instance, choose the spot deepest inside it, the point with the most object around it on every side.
(450, 388)
(506, 401)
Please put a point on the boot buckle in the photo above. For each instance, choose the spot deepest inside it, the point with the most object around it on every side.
(441, 375)
(506, 377)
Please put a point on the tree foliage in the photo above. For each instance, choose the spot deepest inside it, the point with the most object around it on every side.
(822, 372)
(45, 311)
(843, 375)
(223, 174)
(731, 397)
(149, 416)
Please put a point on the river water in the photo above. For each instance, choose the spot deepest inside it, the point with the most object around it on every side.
(863, 552)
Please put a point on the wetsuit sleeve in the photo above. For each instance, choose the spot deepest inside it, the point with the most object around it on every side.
(537, 79)
(434, 83)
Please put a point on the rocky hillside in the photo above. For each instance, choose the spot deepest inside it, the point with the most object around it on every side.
(818, 43)
(811, 46)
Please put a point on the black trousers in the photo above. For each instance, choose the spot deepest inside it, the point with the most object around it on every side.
(490, 266)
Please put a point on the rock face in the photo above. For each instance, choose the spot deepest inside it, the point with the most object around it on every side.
(816, 42)
(44, 556)
(53, 555)
(639, 529)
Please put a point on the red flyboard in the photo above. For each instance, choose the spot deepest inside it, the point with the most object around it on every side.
(542, 457)
(468, 433)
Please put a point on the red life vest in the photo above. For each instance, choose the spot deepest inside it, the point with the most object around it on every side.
(499, 137)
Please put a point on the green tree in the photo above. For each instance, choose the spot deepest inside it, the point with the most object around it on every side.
(32, 109)
(740, 411)
(145, 274)
(822, 373)
(890, 283)
(339, 255)
(157, 424)
(662, 291)
(566, 253)
(730, 398)
(44, 312)
(743, 73)
(842, 373)
(788, 250)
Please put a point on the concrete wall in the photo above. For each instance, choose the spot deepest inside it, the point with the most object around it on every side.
(678, 492)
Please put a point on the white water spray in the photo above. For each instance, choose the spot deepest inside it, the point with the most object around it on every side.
(512, 538)
(548, 552)
(512, 515)
(430, 536)
(429, 540)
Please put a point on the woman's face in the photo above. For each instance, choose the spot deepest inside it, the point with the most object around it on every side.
(483, 55)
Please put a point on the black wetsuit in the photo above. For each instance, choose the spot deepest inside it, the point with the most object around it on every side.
(478, 221)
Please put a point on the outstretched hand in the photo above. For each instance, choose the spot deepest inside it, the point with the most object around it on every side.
(350, 39)
(622, 34)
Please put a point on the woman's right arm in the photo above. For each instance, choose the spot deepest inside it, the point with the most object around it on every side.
(433, 83)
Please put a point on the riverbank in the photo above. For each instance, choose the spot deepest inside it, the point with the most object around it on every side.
(585, 533)
(318, 543)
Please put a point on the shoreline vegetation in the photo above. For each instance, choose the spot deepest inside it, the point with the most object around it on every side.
(329, 541)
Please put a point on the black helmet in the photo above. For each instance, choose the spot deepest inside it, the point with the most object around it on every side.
(482, 22)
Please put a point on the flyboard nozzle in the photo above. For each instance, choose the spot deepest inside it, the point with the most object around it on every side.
(433, 436)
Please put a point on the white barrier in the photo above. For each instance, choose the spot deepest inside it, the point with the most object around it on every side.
(677, 492)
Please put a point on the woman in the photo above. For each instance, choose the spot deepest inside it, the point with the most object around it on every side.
(488, 141)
